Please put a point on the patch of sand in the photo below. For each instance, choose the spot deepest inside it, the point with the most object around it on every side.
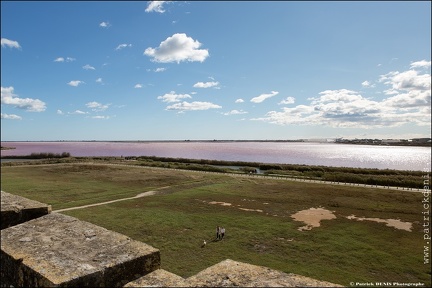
(144, 194)
(230, 204)
(398, 224)
(246, 209)
(312, 217)
(220, 203)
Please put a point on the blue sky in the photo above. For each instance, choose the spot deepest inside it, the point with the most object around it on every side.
(214, 70)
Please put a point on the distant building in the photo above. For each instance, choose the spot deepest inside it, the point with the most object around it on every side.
(421, 140)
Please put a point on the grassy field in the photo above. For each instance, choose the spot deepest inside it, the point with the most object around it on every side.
(180, 217)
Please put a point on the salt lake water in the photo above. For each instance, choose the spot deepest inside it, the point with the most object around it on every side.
(327, 154)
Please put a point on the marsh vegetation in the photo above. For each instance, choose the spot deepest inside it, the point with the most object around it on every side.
(258, 222)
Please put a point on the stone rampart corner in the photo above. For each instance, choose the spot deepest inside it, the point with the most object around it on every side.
(16, 209)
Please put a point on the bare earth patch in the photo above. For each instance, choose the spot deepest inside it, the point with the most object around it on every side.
(220, 203)
(312, 217)
(396, 223)
(144, 194)
(230, 204)
(246, 209)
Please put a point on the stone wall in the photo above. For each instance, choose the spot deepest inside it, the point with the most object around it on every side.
(16, 209)
(59, 250)
(229, 273)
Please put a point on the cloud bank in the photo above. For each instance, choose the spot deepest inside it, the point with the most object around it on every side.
(28, 104)
(408, 101)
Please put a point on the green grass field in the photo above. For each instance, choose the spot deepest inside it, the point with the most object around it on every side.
(180, 217)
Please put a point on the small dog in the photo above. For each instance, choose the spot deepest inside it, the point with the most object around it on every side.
(204, 244)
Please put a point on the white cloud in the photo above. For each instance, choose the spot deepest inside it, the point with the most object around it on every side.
(205, 85)
(155, 6)
(88, 67)
(235, 112)
(367, 84)
(31, 105)
(172, 97)
(177, 48)
(420, 64)
(78, 112)
(408, 80)
(10, 43)
(10, 116)
(263, 97)
(349, 109)
(239, 100)
(75, 83)
(193, 106)
(104, 24)
(286, 101)
(138, 86)
(99, 80)
(121, 46)
(62, 59)
(410, 89)
(97, 107)
(159, 69)
(101, 117)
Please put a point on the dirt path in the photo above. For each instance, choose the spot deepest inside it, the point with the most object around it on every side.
(144, 194)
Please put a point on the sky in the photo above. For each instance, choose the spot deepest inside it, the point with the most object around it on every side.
(223, 70)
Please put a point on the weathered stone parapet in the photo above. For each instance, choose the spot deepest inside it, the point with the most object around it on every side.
(229, 273)
(159, 278)
(61, 251)
(16, 209)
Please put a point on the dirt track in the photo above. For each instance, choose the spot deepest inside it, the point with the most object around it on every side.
(144, 194)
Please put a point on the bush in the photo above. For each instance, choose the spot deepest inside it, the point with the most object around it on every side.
(42, 155)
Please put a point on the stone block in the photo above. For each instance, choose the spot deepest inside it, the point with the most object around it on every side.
(16, 209)
(158, 278)
(229, 273)
(56, 250)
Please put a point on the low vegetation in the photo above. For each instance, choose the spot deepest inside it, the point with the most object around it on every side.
(7, 148)
(40, 156)
(364, 176)
(259, 227)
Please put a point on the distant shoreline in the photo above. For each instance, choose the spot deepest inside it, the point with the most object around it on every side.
(349, 142)
(7, 148)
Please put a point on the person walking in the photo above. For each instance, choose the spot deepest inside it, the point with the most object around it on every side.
(222, 233)
(217, 232)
